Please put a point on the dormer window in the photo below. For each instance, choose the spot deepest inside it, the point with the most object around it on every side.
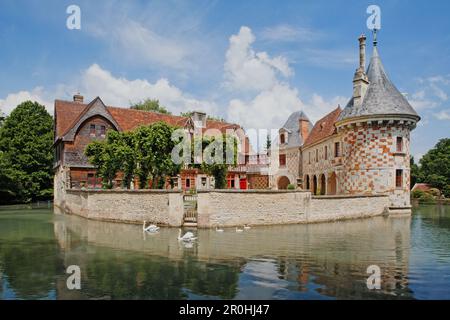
(92, 130)
(282, 138)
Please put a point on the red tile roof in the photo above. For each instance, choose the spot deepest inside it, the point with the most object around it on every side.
(422, 187)
(67, 113)
(324, 127)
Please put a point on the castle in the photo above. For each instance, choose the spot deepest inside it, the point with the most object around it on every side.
(362, 149)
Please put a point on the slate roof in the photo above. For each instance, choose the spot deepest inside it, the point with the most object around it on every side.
(324, 127)
(292, 126)
(382, 97)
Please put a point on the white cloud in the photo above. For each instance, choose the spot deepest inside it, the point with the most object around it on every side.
(269, 109)
(422, 104)
(116, 91)
(443, 115)
(247, 70)
(287, 33)
(12, 100)
(121, 91)
(275, 99)
(318, 107)
(139, 42)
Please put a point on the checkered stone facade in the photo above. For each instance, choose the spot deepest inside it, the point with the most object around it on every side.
(371, 158)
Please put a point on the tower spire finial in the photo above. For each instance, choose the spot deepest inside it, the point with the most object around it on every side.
(374, 31)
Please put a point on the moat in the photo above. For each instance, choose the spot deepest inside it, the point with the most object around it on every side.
(314, 261)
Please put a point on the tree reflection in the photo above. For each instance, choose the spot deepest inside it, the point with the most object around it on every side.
(29, 256)
(133, 276)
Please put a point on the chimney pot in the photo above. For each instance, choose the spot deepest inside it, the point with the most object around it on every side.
(362, 52)
(304, 128)
(199, 119)
(78, 98)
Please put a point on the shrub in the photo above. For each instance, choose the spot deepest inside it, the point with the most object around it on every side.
(291, 187)
(416, 194)
(434, 192)
(426, 197)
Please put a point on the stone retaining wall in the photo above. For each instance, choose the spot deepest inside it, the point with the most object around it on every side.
(155, 206)
(237, 208)
(330, 208)
(225, 208)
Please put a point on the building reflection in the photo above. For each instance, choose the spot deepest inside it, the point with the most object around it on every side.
(301, 261)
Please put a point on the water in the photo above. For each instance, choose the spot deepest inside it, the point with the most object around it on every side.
(317, 261)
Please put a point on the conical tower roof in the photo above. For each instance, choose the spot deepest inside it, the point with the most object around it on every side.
(381, 98)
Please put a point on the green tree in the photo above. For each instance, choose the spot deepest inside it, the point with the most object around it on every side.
(7, 186)
(26, 139)
(102, 155)
(435, 166)
(213, 118)
(220, 153)
(268, 143)
(151, 105)
(416, 175)
(123, 148)
(153, 152)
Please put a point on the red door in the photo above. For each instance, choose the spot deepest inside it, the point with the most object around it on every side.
(243, 184)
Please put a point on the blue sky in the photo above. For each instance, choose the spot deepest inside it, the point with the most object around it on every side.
(252, 62)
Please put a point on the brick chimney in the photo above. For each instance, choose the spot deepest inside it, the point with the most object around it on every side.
(303, 128)
(78, 98)
(360, 80)
(199, 119)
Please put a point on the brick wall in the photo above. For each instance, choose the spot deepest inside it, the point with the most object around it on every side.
(74, 151)
(257, 181)
(370, 161)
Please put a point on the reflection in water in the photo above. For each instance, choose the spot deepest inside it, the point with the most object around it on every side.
(316, 261)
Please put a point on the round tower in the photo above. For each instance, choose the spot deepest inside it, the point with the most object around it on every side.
(375, 128)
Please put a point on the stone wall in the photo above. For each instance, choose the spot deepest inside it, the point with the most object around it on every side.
(331, 208)
(225, 208)
(371, 159)
(237, 208)
(131, 206)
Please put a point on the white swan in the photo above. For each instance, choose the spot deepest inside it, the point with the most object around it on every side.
(188, 236)
(239, 230)
(219, 230)
(246, 227)
(150, 228)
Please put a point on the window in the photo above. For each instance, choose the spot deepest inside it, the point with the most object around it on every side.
(317, 155)
(326, 152)
(282, 140)
(232, 183)
(309, 158)
(399, 144)
(102, 130)
(282, 159)
(398, 178)
(92, 130)
(203, 181)
(188, 183)
(337, 149)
